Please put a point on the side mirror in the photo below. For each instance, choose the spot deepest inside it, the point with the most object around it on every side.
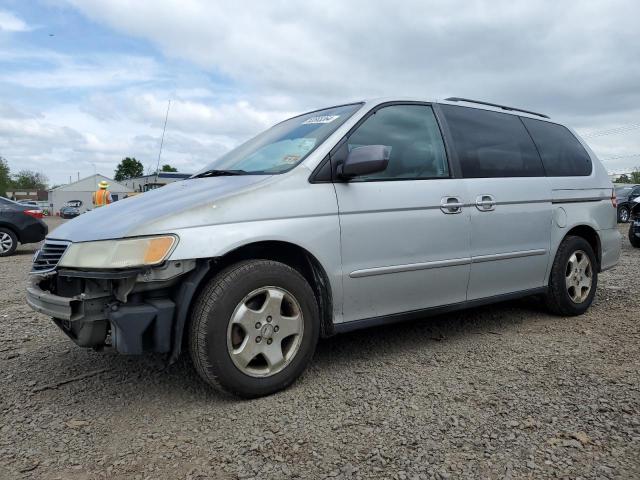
(364, 161)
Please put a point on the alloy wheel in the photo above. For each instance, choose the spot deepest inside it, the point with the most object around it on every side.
(265, 331)
(579, 276)
(6, 242)
(624, 215)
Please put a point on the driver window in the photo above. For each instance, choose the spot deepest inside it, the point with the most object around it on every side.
(412, 133)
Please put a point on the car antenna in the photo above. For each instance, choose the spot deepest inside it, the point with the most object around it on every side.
(166, 117)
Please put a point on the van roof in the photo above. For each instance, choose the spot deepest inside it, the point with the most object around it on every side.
(466, 102)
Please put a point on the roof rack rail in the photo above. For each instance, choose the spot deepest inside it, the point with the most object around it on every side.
(503, 107)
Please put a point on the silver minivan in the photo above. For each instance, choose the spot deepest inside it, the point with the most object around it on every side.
(342, 218)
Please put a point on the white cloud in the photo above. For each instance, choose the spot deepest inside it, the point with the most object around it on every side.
(10, 23)
(547, 54)
(111, 127)
(226, 117)
(42, 69)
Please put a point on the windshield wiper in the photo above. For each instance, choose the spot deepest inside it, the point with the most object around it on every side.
(219, 173)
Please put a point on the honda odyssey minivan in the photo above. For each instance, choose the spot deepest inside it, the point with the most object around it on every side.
(342, 218)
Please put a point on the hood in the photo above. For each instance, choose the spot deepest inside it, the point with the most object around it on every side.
(157, 211)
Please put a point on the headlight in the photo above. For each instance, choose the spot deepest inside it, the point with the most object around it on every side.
(133, 252)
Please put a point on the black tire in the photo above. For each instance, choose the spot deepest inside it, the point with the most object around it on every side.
(212, 313)
(10, 237)
(633, 240)
(623, 214)
(557, 298)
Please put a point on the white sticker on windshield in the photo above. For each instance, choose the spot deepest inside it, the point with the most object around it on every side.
(321, 119)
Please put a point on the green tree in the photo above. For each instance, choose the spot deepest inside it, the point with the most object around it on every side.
(29, 180)
(624, 178)
(635, 175)
(168, 168)
(128, 168)
(5, 177)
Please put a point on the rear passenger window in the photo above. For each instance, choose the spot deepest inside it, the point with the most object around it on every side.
(561, 152)
(491, 144)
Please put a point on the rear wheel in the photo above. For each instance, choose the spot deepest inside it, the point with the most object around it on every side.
(623, 215)
(574, 278)
(635, 241)
(8, 242)
(254, 328)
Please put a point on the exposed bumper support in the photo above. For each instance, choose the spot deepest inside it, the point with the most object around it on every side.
(79, 307)
(145, 325)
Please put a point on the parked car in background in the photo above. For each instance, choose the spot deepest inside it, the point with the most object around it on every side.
(19, 224)
(624, 195)
(634, 227)
(32, 204)
(343, 218)
(36, 204)
(69, 212)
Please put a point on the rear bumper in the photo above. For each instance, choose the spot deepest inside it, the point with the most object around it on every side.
(33, 232)
(611, 244)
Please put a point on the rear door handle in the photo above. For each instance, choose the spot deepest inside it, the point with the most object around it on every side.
(485, 203)
(451, 205)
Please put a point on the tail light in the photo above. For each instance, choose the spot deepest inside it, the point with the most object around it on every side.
(614, 199)
(34, 213)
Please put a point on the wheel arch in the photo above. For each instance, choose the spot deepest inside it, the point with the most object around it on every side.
(9, 226)
(590, 234)
(296, 257)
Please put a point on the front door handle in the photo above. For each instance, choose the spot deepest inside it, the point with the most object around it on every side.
(485, 203)
(451, 205)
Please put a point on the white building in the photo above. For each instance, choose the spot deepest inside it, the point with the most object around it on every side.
(82, 191)
(162, 178)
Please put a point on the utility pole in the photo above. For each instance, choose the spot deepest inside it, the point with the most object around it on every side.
(166, 117)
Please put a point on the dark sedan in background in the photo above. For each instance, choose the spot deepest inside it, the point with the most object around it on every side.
(19, 224)
(625, 195)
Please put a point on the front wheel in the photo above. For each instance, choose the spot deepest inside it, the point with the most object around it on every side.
(254, 328)
(574, 278)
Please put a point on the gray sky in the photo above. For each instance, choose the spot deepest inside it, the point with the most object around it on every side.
(97, 89)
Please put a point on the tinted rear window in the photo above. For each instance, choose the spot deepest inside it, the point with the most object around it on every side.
(492, 144)
(561, 152)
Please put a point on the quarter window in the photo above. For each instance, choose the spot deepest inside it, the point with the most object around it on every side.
(491, 144)
(413, 136)
(561, 152)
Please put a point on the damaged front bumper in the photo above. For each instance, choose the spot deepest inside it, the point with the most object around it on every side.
(132, 311)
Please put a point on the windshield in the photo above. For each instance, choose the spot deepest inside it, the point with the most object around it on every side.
(284, 145)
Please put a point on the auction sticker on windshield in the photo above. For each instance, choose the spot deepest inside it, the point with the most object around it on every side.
(321, 119)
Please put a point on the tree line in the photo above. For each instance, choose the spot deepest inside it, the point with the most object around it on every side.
(633, 177)
(129, 167)
(26, 179)
(23, 180)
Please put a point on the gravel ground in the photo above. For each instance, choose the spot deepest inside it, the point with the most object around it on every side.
(505, 391)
